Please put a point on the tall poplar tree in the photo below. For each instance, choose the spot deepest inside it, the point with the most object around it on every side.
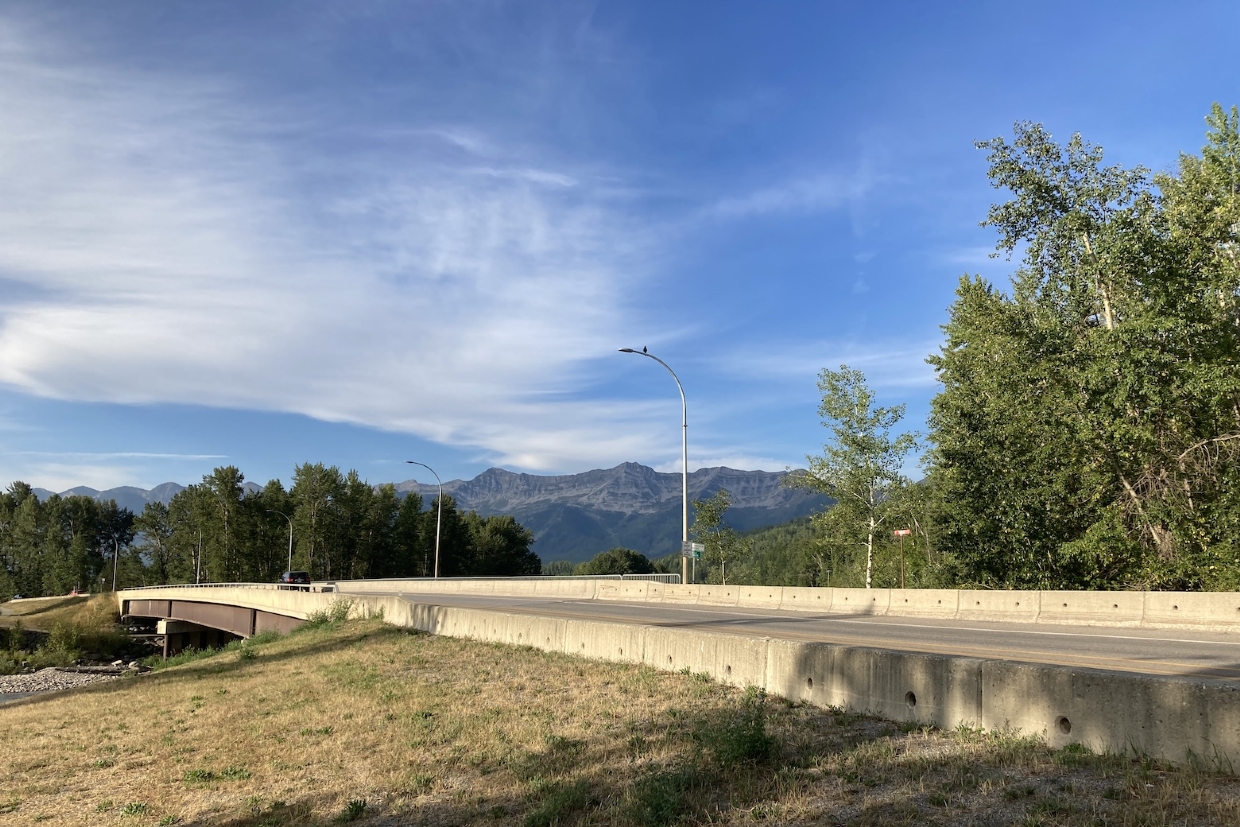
(1089, 426)
(860, 466)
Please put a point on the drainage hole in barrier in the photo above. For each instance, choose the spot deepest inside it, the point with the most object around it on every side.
(1063, 725)
(809, 682)
(728, 669)
(1065, 605)
(1114, 605)
(1175, 607)
(622, 650)
(910, 699)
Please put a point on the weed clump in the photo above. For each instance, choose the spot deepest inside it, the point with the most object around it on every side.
(330, 618)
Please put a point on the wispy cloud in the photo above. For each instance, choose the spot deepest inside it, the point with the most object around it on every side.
(970, 256)
(165, 218)
(809, 193)
(886, 365)
(80, 455)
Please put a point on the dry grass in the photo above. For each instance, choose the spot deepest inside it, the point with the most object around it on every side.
(375, 725)
(45, 612)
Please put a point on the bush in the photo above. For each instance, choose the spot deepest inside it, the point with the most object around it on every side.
(617, 561)
(741, 736)
(660, 798)
(332, 616)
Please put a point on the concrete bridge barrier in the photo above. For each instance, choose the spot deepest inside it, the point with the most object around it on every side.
(1001, 606)
(806, 599)
(1208, 610)
(1167, 718)
(860, 601)
(943, 603)
(1084, 608)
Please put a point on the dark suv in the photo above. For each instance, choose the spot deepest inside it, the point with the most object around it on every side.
(299, 580)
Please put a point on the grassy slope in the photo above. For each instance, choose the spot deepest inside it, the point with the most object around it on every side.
(45, 612)
(372, 722)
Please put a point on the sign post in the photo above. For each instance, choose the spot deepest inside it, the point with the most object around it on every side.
(902, 533)
(692, 551)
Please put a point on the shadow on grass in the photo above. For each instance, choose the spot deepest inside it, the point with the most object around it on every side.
(219, 662)
(12, 615)
(746, 758)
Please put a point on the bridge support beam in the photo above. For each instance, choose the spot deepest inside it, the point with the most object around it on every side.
(180, 635)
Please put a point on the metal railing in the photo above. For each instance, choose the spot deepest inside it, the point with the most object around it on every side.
(654, 578)
(325, 586)
(329, 585)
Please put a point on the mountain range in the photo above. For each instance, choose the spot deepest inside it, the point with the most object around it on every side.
(575, 516)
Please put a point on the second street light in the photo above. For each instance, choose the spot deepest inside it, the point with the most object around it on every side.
(684, 458)
(439, 515)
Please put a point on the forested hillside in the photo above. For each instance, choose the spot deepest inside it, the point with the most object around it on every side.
(223, 531)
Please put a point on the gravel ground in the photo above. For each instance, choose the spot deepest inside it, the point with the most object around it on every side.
(48, 680)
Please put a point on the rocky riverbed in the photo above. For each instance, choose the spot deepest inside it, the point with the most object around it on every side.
(51, 679)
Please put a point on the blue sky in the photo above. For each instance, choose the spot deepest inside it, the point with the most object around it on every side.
(364, 232)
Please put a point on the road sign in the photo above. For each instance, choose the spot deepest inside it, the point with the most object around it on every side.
(693, 550)
(902, 532)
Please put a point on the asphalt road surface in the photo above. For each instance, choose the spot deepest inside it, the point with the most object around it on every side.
(1209, 656)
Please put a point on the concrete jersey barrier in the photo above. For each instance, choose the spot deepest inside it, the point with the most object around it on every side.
(1173, 719)
(1170, 719)
(1215, 611)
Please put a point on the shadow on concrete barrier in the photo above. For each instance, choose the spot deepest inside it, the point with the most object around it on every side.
(1165, 718)
(1172, 719)
(1214, 611)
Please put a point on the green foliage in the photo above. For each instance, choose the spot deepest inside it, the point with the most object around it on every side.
(210, 776)
(220, 530)
(558, 568)
(860, 467)
(740, 736)
(659, 798)
(1088, 429)
(617, 561)
(330, 618)
(723, 546)
(355, 809)
(63, 644)
(57, 546)
(559, 803)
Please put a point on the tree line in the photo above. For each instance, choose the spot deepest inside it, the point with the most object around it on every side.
(1087, 435)
(221, 530)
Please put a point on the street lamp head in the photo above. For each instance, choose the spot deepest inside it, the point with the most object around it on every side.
(627, 350)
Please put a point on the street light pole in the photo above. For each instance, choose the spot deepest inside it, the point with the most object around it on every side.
(439, 515)
(684, 461)
(290, 535)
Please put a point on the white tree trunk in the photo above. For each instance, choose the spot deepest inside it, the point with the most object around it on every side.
(869, 554)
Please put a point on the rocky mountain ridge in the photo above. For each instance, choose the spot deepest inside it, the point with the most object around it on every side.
(575, 516)
(629, 488)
